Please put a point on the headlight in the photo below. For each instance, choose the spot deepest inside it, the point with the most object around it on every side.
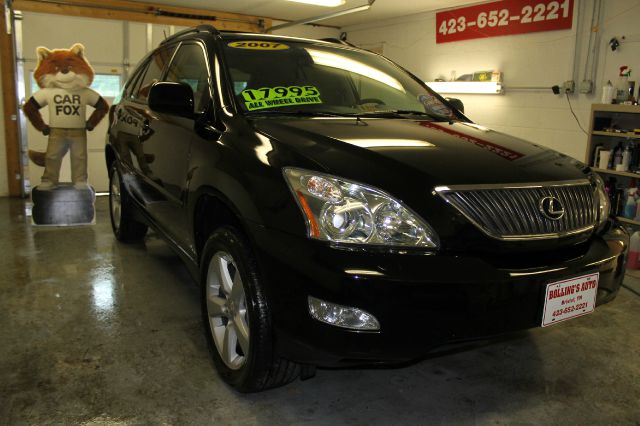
(342, 211)
(604, 205)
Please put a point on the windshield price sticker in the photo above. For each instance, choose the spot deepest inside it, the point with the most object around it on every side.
(258, 45)
(274, 97)
(570, 298)
(503, 18)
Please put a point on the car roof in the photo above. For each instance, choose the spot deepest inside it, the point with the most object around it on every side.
(197, 32)
(232, 35)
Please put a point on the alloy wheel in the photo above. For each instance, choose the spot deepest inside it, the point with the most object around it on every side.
(227, 310)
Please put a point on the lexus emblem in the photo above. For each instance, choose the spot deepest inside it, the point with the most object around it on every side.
(551, 208)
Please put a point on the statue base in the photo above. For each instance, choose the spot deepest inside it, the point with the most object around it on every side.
(63, 205)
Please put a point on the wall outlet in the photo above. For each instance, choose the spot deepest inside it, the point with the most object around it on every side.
(569, 86)
(586, 86)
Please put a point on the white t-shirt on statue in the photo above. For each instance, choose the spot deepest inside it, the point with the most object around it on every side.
(67, 108)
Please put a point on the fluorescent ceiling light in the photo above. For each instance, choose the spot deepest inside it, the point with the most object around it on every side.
(340, 62)
(476, 87)
(326, 3)
(323, 17)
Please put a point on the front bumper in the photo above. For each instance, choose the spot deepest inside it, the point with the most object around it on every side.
(421, 301)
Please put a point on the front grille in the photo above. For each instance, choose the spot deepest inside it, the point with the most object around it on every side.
(512, 212)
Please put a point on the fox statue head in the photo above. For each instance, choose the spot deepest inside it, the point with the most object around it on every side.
(63, 68)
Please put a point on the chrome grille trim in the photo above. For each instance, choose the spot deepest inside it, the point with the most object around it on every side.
(511, 211)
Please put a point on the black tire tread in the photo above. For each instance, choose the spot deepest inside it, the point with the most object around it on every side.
(130, 230)
(268, 370)
(282, 372)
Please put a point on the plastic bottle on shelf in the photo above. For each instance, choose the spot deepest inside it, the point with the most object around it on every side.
(634, 251)
(603, 157)
(630, 206)
(622, 88)
(637, 217)
(607, 93)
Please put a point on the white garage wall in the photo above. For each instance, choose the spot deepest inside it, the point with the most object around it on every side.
(100, 37)
(537, 59)
(4, 185)
(307, 31)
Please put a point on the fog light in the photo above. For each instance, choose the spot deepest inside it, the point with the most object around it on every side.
(342, 316)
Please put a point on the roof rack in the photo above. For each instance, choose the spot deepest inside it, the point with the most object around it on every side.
(193, 30)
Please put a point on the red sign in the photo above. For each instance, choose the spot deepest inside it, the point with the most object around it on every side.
(504, 17)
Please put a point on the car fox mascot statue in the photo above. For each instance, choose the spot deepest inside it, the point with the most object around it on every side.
(64, 77)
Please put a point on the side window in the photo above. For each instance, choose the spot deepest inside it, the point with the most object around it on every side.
(190, 66)
(132, 86)
(157, 63)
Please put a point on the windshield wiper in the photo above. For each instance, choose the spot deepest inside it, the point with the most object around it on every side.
(400, 113)
(395, 113)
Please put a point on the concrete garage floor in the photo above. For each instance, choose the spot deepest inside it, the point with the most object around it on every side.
(95, 332)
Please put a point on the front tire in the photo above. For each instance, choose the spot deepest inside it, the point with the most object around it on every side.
(237, 318)
(124, 226)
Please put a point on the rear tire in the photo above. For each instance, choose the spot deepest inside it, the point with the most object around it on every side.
(125, 227)
(237, 318)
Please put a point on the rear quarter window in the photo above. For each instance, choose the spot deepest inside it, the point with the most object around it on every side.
(133, 80)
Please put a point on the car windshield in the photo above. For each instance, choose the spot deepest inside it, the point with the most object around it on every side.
(303, 78)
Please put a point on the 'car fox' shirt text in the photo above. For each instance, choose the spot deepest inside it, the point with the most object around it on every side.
(67, 108)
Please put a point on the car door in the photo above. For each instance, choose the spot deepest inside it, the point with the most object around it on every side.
(168, 145)
(132, 130)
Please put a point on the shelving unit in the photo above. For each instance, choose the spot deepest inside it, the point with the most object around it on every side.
(607, 116)
(616, 134)
(616, 173)
(615, 117)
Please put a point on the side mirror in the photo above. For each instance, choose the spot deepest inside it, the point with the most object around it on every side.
(456, 103)
(172, 98)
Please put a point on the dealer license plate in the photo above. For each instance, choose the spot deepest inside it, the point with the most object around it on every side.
(570, 298)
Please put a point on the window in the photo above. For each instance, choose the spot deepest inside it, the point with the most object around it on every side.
(134, 82)
(156, 65)
(107, 85)
(324, 77)
(190, 66)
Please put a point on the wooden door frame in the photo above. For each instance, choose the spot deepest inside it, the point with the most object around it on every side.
(120, 10)
(10, 104)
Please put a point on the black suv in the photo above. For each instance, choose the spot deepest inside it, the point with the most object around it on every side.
(337, 211)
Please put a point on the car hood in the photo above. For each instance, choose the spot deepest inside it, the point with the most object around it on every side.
(442, 153)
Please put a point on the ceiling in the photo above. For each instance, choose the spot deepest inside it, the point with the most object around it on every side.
(282, 9)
